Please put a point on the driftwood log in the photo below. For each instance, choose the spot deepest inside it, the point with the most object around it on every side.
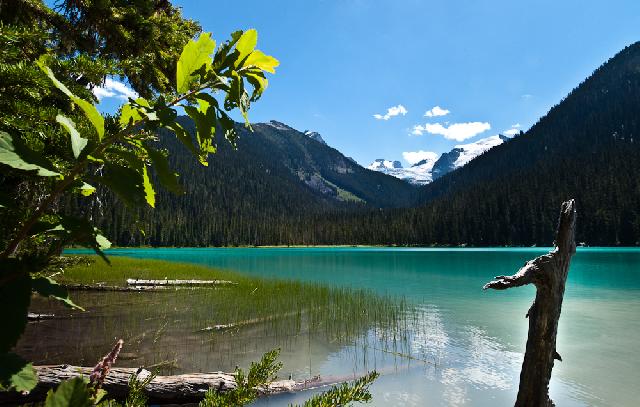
(549, 274)
(100, 287)
(184, 283)
(176, 389)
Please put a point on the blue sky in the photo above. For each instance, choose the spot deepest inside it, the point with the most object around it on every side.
(489, 63)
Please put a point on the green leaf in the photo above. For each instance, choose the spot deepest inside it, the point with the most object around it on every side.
(166, 176)
(87, 189)
(47, 287)
(129, 113)
(88, 108)
(149, 193)
(229, 127)
(15, 297)
(126, 182)
(41, 63)
(74, 230)
(16, 155)
(70, 393)
(16, 373)
(265, 62)
(205, 125)
(187, 140)
(224, 58)
(237, 97)
(259, 83)
(100, 394)
(103, 242)
(77, 142)
(194, 55)
(92, 114)
(245, 45)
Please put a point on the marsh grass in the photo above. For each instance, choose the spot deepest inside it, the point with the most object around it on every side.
(338, 312)
(263, 314)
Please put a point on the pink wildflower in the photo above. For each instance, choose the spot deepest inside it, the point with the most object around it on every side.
(101, 370)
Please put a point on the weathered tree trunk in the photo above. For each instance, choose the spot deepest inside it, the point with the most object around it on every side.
(549, 274)
(177, 389)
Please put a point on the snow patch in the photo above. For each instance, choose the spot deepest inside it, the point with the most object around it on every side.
(472, 150)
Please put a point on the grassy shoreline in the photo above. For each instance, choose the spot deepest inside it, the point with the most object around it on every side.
(282, 304)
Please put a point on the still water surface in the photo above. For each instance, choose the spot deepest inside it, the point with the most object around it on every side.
(469, 343)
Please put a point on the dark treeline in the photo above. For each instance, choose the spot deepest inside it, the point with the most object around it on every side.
(585, 148)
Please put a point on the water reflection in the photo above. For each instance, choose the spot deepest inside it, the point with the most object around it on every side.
(464, 348)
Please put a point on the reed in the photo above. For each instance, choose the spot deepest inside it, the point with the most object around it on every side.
(244, 319)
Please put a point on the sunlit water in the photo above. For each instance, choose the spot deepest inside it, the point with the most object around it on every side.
(467, 345)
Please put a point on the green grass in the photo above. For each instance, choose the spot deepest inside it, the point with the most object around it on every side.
(92, 270)
(285, 307)
(164, 328)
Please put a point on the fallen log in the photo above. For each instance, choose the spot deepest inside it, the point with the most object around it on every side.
(100, 287)
(163, 283)
(240, 324)
(33, 317)
(549, 274)
(176, 389)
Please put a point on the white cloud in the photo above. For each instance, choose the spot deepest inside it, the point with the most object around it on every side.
(436, 111)
(417, 130)
(413, 157)
(526, 96)
(114, 88)
(515, 129)
(456, 131)
(391, 112)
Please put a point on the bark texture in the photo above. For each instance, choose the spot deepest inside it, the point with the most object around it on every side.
(549, 274)
(176, 389)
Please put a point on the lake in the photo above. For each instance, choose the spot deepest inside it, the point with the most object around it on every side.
(465, 348)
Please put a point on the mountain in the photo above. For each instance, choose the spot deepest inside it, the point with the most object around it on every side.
(417, 174)
(428, 169)
(314, 135)
(276, 176)
(461, 154)
(281, 186)
(586, 147)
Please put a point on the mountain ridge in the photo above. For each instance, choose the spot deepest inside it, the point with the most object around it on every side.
(282, 187)
(426, 170)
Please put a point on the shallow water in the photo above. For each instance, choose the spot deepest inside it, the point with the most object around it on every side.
(466, 346)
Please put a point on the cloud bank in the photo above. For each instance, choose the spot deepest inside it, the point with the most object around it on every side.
(413, 157)
(455, 131)
(112, 88)
(515, 129)
(436, 111)
(392, 112)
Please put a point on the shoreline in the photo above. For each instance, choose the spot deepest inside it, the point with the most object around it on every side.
(436, 247)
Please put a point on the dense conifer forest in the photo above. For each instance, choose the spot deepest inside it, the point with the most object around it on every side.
(282, 188)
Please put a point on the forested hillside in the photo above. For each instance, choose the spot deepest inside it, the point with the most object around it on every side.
(254, 194)
(281, 187)
(585, 148)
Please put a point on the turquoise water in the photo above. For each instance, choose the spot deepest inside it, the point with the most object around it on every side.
(471, 342)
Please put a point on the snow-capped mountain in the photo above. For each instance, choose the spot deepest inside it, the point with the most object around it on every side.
(314, 135)
(418, 174)
(429, 169)
(463, 153)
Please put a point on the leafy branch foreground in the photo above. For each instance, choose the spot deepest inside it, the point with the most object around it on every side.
(55, 144)
(72, 150)
(79, 392)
